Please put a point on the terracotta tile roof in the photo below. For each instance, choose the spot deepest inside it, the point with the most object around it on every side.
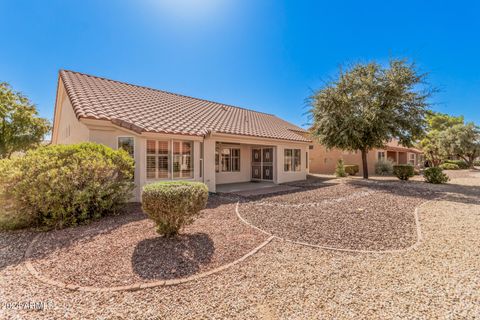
(144, 109)
(393, 145)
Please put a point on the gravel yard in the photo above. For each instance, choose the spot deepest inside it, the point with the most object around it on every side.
(438, 279)
(122, 250)
(352, 215)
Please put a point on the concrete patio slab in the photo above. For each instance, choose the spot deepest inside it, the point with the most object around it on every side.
(248, 189)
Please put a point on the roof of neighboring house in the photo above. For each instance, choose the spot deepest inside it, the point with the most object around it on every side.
(143, 109)
(393, 145)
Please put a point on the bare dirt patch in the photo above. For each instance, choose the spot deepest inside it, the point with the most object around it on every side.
(125, 249)
(355, 215)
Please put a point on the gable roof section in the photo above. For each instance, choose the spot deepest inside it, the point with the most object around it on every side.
(143, 109)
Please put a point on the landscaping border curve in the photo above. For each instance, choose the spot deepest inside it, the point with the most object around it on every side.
(136, 286)
(413, 246)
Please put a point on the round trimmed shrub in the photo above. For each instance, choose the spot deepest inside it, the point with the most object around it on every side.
(173, 204)
(435, 175)
(351, 169)
(383, 167)
(62, 185)
(449, 166)
(403, 171)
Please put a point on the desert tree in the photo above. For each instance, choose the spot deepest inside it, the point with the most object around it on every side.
(366, 105)
(433, 144)
(20, 126)
(463, 141)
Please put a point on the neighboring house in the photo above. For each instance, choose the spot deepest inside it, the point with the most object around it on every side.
(323, 160)
(172, 136)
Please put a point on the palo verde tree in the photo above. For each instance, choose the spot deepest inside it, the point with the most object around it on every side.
(20, 126)
(368, 104)
(463, 141)
(433, 144)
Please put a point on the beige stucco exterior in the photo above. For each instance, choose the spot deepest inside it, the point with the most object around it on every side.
(323, 160)
(68, 130)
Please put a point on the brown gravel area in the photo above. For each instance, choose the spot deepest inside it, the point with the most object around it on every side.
(440, 279)
(352, 215)
(125, 249)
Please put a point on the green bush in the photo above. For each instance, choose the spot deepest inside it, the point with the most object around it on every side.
(351, 169)
(476, 163)
(449, 166)
(403, 171)
(383, 167)
(460, 163)
(435, 175)
(340, 169)
(173, 204)
(63, 185)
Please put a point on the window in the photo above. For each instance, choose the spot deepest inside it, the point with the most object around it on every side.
(182, 159)
(127, 144)
(381, 155)
(230, 160)
(201, 159)
(292, 161)
(412, 159)
(158, 159)
(306, 160)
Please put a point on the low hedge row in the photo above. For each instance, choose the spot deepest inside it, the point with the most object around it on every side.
(460, 163)
(449, 166)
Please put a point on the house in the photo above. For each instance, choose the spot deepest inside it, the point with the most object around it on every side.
(323, 160)
(173, 136)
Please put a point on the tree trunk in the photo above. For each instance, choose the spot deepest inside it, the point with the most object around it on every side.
(468, 160)
(364, 163)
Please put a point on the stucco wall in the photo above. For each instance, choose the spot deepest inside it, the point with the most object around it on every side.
(324, 161)
(69, 130)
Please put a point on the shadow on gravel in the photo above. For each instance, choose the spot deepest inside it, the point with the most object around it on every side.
(14, 243)
(170, 258)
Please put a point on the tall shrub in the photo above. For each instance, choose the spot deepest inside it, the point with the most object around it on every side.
(62, 185)
(340, 169)
(383, 167)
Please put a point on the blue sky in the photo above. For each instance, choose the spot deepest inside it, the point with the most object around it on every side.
(261, 54)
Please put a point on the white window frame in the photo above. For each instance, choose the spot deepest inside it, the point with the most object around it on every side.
(170, 160)
(156, 155)
(200, 168)
(230, 159)
(292, 160)
(412, 158)
(192, 159)
(381, 157)
(134, 144)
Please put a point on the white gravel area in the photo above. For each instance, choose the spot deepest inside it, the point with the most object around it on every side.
(440, 279)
